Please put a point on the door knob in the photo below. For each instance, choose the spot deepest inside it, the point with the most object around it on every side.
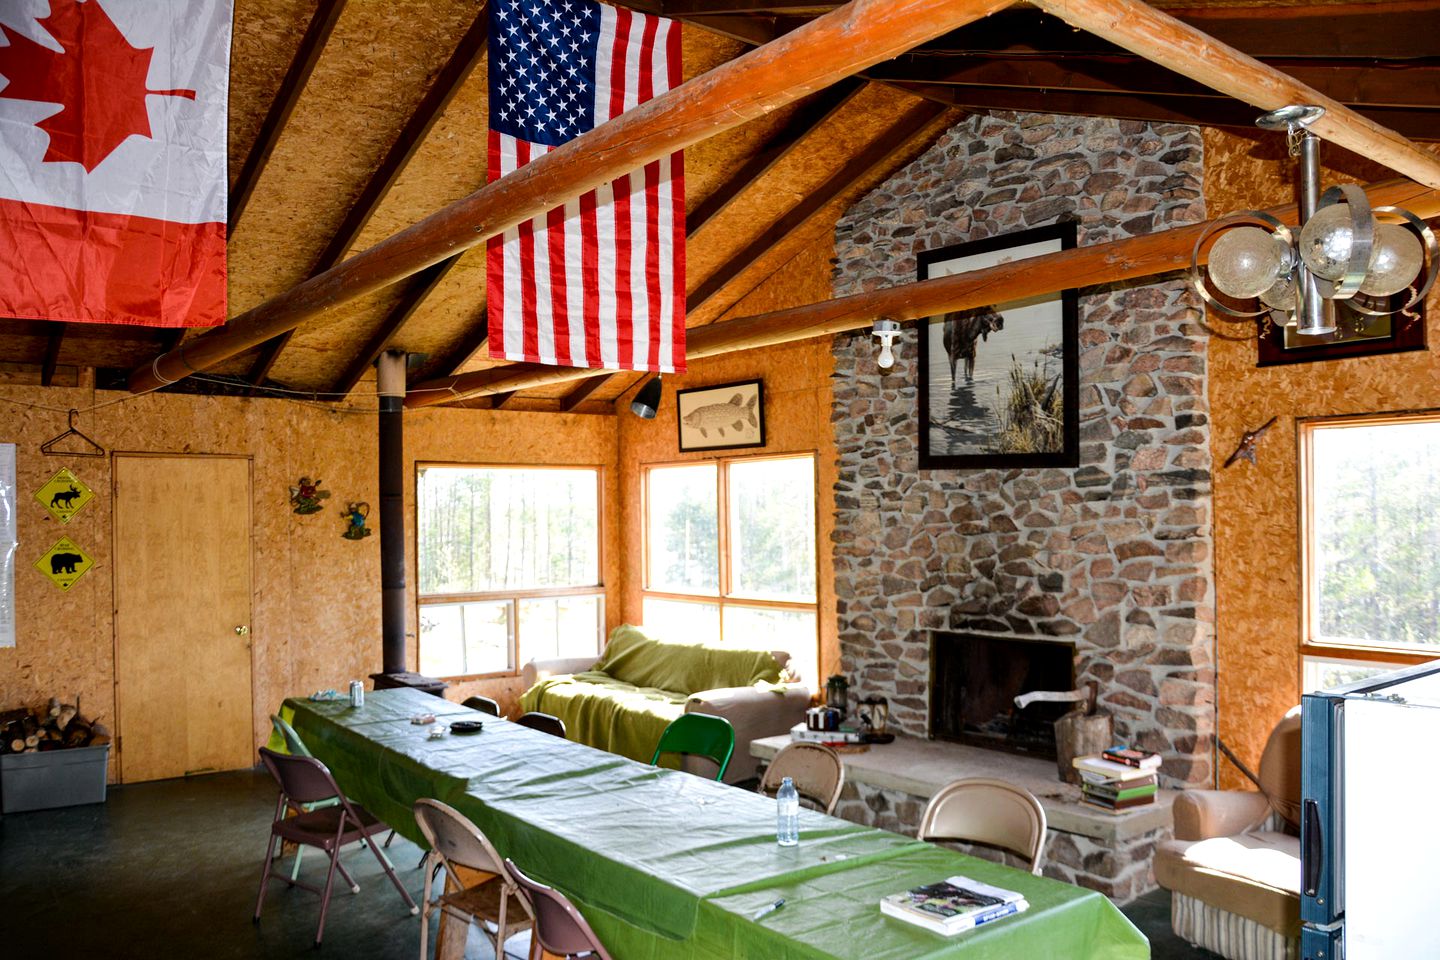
(243, 630)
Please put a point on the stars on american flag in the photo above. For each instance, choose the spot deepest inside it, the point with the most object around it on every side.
(543, 53)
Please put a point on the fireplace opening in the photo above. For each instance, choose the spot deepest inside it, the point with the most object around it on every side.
(975, 679)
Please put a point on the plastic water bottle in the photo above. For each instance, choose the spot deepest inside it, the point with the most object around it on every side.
(787, 814)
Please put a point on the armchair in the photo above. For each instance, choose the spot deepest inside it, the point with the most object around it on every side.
(1235, 886)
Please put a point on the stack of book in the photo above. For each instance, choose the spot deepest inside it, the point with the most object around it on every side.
(1119, 779)
(830, 738)
(953, 906)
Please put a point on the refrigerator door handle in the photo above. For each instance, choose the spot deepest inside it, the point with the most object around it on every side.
(1313, 855)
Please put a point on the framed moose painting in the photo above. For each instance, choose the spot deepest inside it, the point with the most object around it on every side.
(1000, 384)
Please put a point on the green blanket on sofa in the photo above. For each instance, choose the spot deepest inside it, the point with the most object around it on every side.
(639, 686)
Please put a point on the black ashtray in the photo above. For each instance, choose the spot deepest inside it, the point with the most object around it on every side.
(467, 726)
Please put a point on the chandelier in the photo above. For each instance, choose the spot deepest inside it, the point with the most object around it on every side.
(1345, 255)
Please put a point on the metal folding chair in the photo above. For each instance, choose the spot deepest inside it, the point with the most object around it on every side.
(543, 722)
(456, 842)
(699, 735)
(559, 927)
(302, 781)
(815, 769)
(483, 704)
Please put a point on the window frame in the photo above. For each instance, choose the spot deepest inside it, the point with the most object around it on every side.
(723, 595)
(1311, 646)
(513, 597)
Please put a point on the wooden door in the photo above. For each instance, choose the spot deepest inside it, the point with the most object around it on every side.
(181, 561)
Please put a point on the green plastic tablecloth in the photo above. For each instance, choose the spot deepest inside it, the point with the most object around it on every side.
(668, 865)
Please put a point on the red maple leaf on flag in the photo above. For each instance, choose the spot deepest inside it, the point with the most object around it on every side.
(99, 80)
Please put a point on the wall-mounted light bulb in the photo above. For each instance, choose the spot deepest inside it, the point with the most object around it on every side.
(886, 331)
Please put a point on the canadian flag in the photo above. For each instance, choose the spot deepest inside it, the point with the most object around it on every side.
(113, 160)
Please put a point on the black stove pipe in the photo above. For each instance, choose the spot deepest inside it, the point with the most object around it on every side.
(390, 370)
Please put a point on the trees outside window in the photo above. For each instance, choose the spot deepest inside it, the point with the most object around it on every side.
(508, 562)
(730, 555)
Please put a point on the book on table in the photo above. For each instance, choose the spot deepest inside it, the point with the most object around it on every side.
(1116, 792)
(954, 905)
(1132, 758)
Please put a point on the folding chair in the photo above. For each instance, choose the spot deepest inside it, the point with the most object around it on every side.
(815, 769)
(991, 812)
(700, 735)
(559, 927)
(456, 842)
(302, 781)
(543, 722)
(483, 704)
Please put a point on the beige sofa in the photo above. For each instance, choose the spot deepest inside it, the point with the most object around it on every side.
(1234, 884)
(753, 712)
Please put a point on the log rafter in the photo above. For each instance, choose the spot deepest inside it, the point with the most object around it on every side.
(829, 48)
(1129, 259)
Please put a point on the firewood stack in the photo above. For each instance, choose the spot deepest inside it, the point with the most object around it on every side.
(55, 726)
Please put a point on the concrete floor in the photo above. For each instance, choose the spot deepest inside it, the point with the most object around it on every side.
(171, 868)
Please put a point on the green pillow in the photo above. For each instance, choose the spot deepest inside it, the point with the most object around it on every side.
(686, 668)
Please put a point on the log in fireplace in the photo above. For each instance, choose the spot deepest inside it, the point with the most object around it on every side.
(975, 678)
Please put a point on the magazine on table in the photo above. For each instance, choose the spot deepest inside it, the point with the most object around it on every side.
(954, 905)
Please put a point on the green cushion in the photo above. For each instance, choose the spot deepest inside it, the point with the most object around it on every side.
(685, 668)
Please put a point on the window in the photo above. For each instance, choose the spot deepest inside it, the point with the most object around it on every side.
(1370, 544)
(509, 566)
(730, 555)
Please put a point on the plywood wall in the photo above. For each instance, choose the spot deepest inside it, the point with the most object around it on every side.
(315, 620)
(1256, 506)
(797, 420)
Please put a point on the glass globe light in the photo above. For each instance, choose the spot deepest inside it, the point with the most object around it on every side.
(1325, 241)
(1281, 296)
(1244, 262)
(1395, 263)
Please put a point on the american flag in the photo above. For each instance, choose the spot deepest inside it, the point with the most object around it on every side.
(599, 282)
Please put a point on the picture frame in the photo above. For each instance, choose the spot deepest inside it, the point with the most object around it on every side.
(701, 416)
(1016, 403)
(1358, 336)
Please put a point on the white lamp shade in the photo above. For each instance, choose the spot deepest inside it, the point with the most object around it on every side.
(1245, 262)
(1395, 263)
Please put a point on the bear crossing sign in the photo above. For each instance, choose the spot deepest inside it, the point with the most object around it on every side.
(64, 563)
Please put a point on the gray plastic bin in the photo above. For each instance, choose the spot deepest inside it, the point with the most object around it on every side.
(54, 778)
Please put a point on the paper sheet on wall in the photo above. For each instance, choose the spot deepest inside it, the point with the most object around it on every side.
(8, 533)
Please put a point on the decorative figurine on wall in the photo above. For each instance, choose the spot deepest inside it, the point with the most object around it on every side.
(1246, 449)
(306, 496)
(355, 514)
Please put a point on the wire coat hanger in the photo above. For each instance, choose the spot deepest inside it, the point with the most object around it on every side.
(47, 447)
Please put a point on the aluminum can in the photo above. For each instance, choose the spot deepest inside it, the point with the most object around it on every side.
(357, 693)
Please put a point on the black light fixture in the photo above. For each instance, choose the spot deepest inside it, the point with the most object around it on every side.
(647, 401)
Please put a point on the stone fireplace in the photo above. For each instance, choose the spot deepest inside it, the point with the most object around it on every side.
(1112, 556)
(974, 680)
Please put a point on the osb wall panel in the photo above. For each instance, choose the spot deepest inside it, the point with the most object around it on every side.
(797, 420)
(264, 39)
(1256, 506)
(316, 604)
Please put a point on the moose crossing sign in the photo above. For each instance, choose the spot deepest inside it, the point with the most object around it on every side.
(64, 495)
(64, 563)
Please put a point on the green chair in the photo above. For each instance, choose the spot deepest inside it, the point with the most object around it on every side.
(701, 735)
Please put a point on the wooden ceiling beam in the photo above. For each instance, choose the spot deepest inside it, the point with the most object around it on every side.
(876, 154)
(1216, 111)
(1162, 39)
(1415, 84)
(1119, 260)
(829, 48)
(812, 114)
(420, 287)
(312, 44)
(52, 353)
(468, 52)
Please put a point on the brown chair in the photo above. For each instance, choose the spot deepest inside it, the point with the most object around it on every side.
(1234, 884)
(989, 812)
(455, 842)
(559, 927)
(543, 722)
(483, 704)
(305, 781)
(815, 769)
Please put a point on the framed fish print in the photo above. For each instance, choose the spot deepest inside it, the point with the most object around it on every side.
(722, 417)
(1000, 383)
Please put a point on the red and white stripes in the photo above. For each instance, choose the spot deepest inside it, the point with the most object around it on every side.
(599, 282)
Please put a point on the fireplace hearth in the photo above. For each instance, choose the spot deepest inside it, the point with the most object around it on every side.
(974, 680)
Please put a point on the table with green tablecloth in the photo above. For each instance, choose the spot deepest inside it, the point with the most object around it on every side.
(667, 865)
